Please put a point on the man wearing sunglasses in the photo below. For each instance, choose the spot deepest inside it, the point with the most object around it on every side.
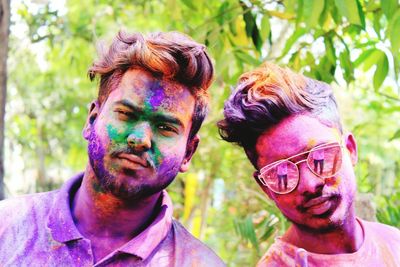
(285, 121)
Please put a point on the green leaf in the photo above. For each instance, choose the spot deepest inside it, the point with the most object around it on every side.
(325, 70)
(291, 5)
(249, 21)
(364, 55)
(335, 13)
(292, 39)
(251, 27)
(312, 11)
(330, 49)
(347, 66)
(382, 69)
(361, 14)
(256, 37)
(222, 12)
(246, 230)
(299, 12)
(393, 32)
(324, 17)
(245, 57)
(371, 59)
(295, 61)
(376, 23)
(396, 135)
(389, 7)
(351, 9)
(190, 4)
(265, 28)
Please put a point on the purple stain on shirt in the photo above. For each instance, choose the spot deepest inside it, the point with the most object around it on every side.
(43, 233)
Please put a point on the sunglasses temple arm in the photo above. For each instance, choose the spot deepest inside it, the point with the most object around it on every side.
(262, 181)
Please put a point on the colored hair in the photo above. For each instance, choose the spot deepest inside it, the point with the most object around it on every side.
(265, 96)
(172, 56)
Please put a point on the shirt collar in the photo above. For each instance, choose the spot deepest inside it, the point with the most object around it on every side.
(63, 229)
(144, 244)
(60, 222)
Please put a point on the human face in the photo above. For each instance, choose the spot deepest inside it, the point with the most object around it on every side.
(138, 138)
(316, 204)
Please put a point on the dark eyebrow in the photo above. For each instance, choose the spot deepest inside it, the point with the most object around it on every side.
(129, 105)
(155, 117)
(167, 118)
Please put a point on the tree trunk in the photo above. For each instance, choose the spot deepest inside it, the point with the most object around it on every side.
(4, 31)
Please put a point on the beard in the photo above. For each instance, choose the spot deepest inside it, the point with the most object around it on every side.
(124, 184)
(328, 222)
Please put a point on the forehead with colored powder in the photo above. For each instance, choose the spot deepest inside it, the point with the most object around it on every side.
(293, 135)
(154, 95)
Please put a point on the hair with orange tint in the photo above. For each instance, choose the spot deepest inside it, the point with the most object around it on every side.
(172, 56)
(265, 96)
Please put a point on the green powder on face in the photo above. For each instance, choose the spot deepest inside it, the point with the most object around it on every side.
(114, 134)
(157, 156)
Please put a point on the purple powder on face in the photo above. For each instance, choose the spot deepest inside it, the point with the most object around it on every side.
(157, 95)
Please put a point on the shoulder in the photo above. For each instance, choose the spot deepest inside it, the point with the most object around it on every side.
(381, 231)
(197, 251)
(23, 209)
(279, 254)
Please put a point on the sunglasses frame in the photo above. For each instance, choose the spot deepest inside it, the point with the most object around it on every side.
(274, 164)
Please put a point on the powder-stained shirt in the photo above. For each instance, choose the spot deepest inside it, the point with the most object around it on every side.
(381, 247)
(38, 230)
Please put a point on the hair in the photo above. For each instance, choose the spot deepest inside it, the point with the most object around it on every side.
(267, 95)
(172, 56)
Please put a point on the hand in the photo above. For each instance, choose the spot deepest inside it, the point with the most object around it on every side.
(301, 258)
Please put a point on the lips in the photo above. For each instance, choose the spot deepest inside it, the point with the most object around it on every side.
(316, 201)
(133, 160)
(320, 205)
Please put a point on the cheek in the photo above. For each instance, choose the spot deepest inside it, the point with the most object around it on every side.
(286, 203)
(334, 182)
(114, 134)
(168, 152)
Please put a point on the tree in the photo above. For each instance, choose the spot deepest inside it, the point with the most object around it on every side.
(4, 31)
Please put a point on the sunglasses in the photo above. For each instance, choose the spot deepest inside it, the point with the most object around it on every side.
(283, 175)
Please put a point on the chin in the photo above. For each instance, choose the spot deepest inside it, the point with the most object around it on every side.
(127, 192)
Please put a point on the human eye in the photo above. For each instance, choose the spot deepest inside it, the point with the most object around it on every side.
(123, 114)
(167, 129)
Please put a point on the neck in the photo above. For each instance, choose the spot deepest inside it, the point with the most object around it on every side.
(101, 215)
(347, 238)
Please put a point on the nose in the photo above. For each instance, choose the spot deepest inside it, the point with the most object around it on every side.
(140, 137)
(309, 183)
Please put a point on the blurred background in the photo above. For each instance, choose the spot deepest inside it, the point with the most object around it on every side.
(351, 44)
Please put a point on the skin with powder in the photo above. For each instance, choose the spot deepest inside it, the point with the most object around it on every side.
(141, 131)
(137, 143)
(281, 118)
(337, 212)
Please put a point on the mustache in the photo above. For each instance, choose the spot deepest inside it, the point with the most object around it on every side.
(129, 150)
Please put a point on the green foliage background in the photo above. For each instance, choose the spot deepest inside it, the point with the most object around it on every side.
(352, 44)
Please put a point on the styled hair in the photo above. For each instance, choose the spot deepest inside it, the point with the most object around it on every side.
(265, 96)
(172, 56)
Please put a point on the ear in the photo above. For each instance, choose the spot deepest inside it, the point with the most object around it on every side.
(91, 118)
(351, 146)
(263, 187)
(190, 149)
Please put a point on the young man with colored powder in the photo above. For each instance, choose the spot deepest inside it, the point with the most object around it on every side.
(141, 131)
(280, 117)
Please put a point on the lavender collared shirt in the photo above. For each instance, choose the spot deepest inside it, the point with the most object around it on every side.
(38, 230)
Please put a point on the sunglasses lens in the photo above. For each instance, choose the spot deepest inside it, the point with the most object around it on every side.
(325, 161)
(281, 178)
